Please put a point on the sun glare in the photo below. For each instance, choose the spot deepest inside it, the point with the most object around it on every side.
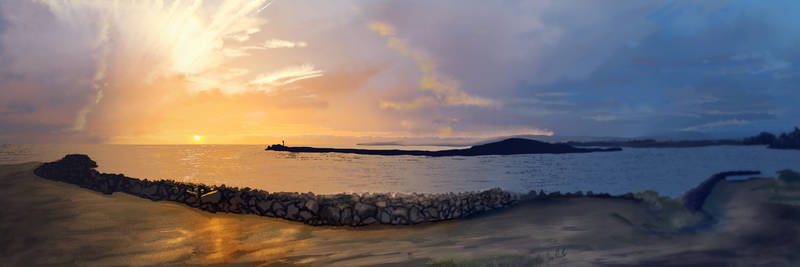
(197, 138)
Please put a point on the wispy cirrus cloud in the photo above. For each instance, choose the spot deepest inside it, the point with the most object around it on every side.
(715, 124)
(267, 82)
(276, 43)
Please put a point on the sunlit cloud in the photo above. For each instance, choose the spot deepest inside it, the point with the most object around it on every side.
(138, 42)
(266, 82)
(408, 105)
(446, 89)
(234, 73)
(275, 43)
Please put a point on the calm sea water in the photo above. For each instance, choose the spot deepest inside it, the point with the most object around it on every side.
(669, 171)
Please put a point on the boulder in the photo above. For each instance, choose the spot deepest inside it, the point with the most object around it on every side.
(368, 221)
(277, 206)
(385, 217)
(292, 211)
(415, 215)
(431, 213)
(211, 197)
(400, 212)
(347, 216)
(365, 210)
(305, 215)
(263, 206)
(312, 206)
(330, 214)
(150, 190)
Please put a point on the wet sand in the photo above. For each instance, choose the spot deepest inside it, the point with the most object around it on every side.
(44, 222)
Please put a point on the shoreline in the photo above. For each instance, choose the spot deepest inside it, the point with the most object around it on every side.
(339, 209)
(344, 209)
(121, 229)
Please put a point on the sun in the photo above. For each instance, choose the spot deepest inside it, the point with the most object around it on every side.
(197, 138)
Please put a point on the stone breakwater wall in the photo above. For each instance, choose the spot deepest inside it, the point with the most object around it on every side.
(696, 197)
(339, 209)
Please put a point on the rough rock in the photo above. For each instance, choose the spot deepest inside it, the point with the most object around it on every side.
(211, 197)
(365, 210)
(312, 206)
(415, 215)
(292, 211)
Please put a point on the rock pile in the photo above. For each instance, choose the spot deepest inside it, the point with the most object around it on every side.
(339, 209)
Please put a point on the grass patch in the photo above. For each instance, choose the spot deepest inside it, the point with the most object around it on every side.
(671, 214)
(498, 260)
(789, 177)
(621, 219)
(788, 189)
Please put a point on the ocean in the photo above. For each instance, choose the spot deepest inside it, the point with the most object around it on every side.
(669, 171)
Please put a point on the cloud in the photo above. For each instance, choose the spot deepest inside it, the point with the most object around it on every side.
(446, 89)
(716, 124)
(266, 82)
(410, 105)
(138, 42)
(623, 67)
(275, 43)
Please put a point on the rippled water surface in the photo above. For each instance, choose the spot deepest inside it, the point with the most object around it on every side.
(669, 171)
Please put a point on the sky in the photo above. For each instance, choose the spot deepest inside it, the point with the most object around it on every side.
(258, 71)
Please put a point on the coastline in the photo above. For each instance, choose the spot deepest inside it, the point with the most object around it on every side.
(338, 209)
(95, 229)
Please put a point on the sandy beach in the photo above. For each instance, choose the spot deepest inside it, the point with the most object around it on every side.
(53, 223)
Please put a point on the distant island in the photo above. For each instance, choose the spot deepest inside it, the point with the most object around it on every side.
(783, 141)
(511, 146)
(652, 143)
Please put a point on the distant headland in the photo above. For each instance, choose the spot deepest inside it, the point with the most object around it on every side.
(783, 141)
(511, 146)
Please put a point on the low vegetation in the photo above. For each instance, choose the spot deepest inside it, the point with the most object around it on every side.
(789, 140)
(511, 260)
(671, 214)
(789, 177)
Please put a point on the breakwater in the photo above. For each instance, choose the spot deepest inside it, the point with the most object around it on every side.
(338, 209)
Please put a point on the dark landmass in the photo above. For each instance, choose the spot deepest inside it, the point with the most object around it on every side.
(509, 146)
(405, 143)
(652, 143)
(783, 141)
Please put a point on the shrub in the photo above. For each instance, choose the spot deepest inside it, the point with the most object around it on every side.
(789, 177)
